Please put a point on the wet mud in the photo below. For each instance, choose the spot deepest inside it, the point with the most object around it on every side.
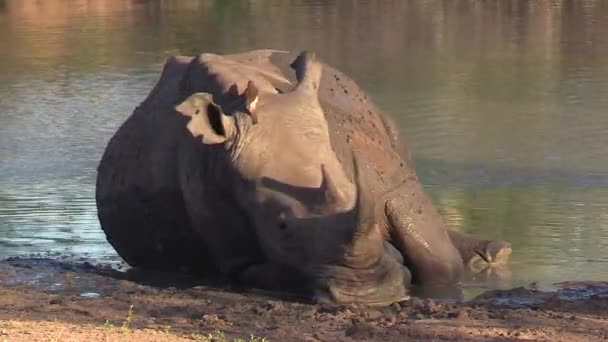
(56, 298)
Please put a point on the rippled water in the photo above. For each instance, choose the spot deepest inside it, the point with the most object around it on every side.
(503, 103)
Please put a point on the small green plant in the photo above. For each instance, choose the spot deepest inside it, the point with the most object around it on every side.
(215, 336)
(166, 328)
(197, 337)
(219, 336)
(253, 338)
(127, 323)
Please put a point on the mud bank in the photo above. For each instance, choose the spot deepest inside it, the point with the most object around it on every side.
(44, 299)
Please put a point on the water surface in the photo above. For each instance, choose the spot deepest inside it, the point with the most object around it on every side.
(503, 103)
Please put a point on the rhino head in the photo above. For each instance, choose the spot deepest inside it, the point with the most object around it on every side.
(306, 211)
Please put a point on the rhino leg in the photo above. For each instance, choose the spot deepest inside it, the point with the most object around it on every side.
(474, 250)
(423, 241)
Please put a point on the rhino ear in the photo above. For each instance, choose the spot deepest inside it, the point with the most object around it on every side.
(207, 119)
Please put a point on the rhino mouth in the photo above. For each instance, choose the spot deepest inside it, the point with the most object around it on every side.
(383, 284)
(380, 283)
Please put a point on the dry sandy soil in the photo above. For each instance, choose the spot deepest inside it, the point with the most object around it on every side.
(53, 300)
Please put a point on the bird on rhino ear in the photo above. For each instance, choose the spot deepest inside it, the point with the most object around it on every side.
(207, 119)
(251, 100)
(246, 101)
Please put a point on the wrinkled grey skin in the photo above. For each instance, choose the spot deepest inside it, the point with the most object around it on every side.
(308, 188)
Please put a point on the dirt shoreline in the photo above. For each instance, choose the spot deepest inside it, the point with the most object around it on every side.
(51, 300)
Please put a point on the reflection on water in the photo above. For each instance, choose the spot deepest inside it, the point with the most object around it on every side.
(54, 216)
(503, 104)
(558, 232)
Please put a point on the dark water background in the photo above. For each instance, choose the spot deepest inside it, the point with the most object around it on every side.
(504, 105)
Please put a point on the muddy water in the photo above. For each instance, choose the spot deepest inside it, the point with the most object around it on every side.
(503, 105)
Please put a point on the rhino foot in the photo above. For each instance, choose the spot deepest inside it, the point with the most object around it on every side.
(484, 253)
(492, 253)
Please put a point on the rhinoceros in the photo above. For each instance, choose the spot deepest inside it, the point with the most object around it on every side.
(274, 170)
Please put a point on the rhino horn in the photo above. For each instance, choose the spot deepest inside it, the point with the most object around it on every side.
(334, 197)
(364, 207)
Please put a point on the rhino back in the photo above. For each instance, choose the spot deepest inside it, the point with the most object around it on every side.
(356, 125)
(140, 205)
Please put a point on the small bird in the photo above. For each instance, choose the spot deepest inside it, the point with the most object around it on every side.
(251, 100)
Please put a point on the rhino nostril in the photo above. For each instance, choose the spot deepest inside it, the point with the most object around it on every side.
(282, 225)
